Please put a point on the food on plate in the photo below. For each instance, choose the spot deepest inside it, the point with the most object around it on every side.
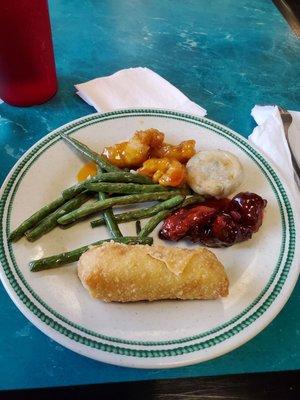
(126, 273)
(217, 223)
(134, 152)
(214, 173)
(181, 152)
(165, 171)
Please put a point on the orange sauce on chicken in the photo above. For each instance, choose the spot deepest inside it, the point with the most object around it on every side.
(165, 171)
(88, 170)
(134, 152)
(181, 152)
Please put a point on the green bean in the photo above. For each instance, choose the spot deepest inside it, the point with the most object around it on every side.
(125, 177)
(68, 226)
(124, 188)
(90, 154)
(138, 226)
(153, 222)
(189, 201)
(107, 177)
(50, 222)
(113, 201)
(111, 223)
(109, 218)
(142, 213)
(74, 255)
(35, 218)
(78, 187)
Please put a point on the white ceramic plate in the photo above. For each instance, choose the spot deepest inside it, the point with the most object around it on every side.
(262, 271)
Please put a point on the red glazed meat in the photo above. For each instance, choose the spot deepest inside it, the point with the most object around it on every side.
(250, 206)
(178, 225)
(217, 223)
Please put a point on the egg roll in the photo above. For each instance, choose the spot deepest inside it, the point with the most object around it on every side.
(115, 272)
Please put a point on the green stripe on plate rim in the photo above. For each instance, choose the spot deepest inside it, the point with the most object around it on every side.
(230, 135)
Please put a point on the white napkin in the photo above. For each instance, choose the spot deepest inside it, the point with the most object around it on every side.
(135, 88)
(269, 137)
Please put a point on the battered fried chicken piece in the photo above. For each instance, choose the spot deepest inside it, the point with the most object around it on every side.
(134, 152)
(181, 152)
(165, 171)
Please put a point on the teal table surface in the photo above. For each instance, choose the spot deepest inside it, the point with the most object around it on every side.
(227, 56)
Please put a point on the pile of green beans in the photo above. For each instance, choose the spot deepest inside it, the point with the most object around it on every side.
(69, 208)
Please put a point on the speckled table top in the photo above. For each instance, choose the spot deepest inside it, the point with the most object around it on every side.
(226, 56)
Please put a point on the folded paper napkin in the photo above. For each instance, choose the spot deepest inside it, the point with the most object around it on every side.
(270, 139)
(135, 88)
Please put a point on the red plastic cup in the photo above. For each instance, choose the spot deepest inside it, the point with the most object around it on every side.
(27, 67)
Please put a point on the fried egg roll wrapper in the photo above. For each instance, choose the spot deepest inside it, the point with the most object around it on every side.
(125, 273)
